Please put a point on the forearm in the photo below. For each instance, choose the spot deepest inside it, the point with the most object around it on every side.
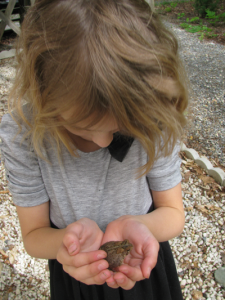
(44, 242)
(164, 223)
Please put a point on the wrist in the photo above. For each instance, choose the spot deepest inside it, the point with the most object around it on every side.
(44, 242)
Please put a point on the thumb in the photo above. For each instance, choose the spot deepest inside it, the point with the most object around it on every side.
(71, 239)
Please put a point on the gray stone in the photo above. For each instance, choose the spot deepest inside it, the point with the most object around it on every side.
(220, 276)
(191, 153)
(218, 174)
(204, 163)
(7, 54)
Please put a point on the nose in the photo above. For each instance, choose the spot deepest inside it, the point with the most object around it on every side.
(103, 140)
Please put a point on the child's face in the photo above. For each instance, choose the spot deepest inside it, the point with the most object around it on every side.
(100, 134)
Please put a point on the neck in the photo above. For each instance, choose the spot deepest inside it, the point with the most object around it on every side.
(84, 145)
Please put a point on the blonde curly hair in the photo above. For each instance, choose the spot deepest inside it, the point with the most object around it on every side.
(100, 56)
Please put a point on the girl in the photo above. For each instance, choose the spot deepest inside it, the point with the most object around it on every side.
(91, 145)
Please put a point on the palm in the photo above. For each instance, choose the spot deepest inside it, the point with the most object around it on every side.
(88, 234)
(144, 243)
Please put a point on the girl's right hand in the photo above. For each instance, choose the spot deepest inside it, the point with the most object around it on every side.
(78, 254)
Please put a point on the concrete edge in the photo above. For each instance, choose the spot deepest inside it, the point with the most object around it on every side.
(7, 53)
(202, 161)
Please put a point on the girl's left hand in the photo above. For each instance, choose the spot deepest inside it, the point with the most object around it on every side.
(142, 258)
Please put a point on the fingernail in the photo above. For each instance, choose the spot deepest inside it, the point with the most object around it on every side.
(72, 248)
(148, 273)
(120, 280)
(101, 255)
(125, 271)
(101, 267)
(111, 283)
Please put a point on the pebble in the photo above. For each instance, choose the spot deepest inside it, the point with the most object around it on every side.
(220, 276)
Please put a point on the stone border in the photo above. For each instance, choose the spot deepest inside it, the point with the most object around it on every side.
(7, 53)
(202, 161)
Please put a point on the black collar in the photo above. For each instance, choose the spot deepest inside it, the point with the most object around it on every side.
(120, 146)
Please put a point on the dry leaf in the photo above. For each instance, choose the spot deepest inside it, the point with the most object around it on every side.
(196, 273)
(11, 258)
(3, 253)
(196, 264)
(4, 192)
(4, 216)
(189, 208)
(213, 207)
(223, 257)
(202, 208)
(206, 179)
(194, 248)
(197, 294)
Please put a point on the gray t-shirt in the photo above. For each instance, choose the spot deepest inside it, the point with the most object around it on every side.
(93, 185)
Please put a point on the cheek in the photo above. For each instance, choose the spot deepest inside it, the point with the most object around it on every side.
(76, 132)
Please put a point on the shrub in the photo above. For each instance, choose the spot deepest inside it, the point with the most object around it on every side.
(202, 5)
(168, 9)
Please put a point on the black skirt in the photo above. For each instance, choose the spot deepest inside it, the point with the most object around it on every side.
(163, 283)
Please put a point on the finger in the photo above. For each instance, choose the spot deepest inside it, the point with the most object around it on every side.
(133, 273)
(112, 284)
(71, 238)
(123, 281)
(150, 259)
(95, 273)
(80, 259)
(87, 258)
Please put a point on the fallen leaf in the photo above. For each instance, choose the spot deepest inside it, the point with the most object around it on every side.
(4, 192)
(196, 264)
(197, 294)
(4, 216)
(223, 257)
(194, 248)
(202, 208)
(196, 273)
(189, 208)
(3, 253)
(11, 258)
(206, 179)
(213, 207)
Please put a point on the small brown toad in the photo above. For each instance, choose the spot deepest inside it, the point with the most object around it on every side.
(116, 252)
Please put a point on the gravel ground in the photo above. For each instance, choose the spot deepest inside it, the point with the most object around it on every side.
(205, 65)
(199, 250)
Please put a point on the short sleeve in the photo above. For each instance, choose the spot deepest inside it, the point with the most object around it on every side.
(21, 164)
(165, 173)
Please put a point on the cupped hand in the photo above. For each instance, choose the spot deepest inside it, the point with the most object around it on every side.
(142, 258)
(78, 254)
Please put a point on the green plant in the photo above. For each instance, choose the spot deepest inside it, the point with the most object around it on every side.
(180, 15)
(222, 16)
(213, 18)
(194, 20)
(211, 35)
(200, 29)
(210, 14)
(202, 5)
(173, 4)
(202, 36)
(168, 9)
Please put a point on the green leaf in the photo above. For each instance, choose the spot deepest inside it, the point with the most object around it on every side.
(210, 14)
(194, 19)
(194, 29)
(184, 25)
(173, 4)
